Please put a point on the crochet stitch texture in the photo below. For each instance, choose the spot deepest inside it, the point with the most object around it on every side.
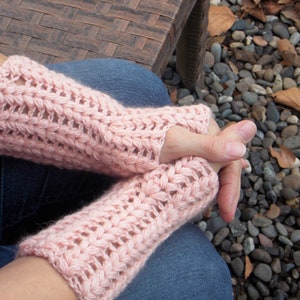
(52, 119)
(100, 249)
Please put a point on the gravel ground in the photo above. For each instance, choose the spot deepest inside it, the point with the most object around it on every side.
(262, 245)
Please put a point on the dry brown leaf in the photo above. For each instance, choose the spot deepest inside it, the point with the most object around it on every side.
(253, 8)
(244, 55)
(271, 8)
(288, 52)
(260, 8)
(289, 97)
(248, 267)
(293, 13)
(220, 19)
(285, 157)
(173, 95)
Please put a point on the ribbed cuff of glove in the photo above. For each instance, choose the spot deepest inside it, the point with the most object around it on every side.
(52, 119)
(100, 249)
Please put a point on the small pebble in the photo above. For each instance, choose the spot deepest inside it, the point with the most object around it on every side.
(281, 31)
(276, 265)
(295, 236)
(209, 59)
(292, 181)
(220, 236)
(295, 38)
(248, 245)
(258, 89)
(254, 231)
(284, 240)
(216, 51)
(261, 255)
(281, 229)
(289, 83)
(269, 231)
(263, 272)
(238, 35)
(237, 267)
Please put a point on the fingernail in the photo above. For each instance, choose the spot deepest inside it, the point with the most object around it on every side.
(235, 150)
(246, 131)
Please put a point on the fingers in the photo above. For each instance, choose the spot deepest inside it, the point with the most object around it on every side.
(242, 131)
(216, 146)
(227, 145)
(229, 192)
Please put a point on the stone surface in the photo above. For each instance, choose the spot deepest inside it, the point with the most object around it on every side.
(267, 222)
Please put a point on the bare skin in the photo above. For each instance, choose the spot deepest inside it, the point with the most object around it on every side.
(33, 278)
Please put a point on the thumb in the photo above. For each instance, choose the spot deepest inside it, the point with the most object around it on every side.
(229, 144)
(219, 148)
(214, 148)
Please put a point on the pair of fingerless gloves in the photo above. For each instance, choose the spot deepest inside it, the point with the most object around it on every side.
(51, 119)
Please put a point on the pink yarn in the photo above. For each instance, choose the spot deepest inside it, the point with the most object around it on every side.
(54, 120)
(100, 249)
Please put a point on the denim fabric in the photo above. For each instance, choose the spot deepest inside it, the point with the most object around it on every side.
(185, 266)
(129, 83)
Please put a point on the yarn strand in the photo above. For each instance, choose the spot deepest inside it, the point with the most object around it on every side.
(52, 119)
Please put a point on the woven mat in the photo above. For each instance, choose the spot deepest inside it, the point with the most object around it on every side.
(49, 31)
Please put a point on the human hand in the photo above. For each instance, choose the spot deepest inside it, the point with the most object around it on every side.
(230, 172)
(223, 149)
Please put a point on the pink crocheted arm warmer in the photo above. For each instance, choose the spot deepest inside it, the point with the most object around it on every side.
(54, 120)
(100, 249)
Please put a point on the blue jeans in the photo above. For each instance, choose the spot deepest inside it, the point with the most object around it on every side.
(185, 266)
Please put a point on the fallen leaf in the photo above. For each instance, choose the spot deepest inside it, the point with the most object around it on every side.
(285, 157)
(293, 13)
(288, 53)
(253, 8)
(173, 95)
(220, 19)
(289, 97)
(248, 267)
(271, 8)
(244, 55)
